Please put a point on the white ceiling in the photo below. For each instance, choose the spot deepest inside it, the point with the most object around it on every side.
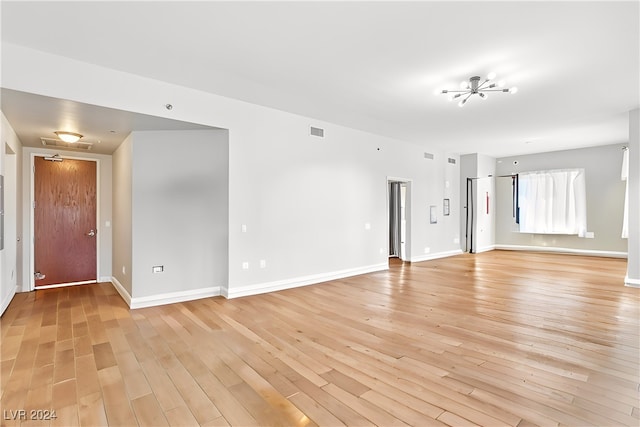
(34, 117)
(374, 65)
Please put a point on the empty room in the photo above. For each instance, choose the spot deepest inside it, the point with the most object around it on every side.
(332, 213)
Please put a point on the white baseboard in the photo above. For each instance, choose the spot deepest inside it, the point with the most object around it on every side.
(296, 282)
(121, 290)
(632, 283)
(571, 251)
(166, 298)
(173, 297)
(103, 279)
(428, 257)
(7, 300)
(485, 249)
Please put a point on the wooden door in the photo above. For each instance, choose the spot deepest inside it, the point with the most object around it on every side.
(64, 221)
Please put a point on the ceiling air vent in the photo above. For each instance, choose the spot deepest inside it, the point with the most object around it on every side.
(56, 143)
(428, 156)
(452, 161)
(316, 132)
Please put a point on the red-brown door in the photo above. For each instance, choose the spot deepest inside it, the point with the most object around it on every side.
(64, 221)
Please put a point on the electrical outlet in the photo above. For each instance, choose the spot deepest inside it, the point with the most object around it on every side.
(456, 240)
(427, 250)
(245, 265)
(263, 263)
(244, 228)
(124, 270)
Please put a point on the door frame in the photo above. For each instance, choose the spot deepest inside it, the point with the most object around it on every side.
(407, 212)
(32, 281)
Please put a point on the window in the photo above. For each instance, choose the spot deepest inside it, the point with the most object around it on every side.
(552, 202)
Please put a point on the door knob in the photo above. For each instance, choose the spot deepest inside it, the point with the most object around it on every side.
(91, 233)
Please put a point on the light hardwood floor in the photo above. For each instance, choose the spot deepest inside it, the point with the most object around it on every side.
(499, 338)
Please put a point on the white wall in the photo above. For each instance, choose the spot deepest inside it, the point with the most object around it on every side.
(10, 153)
(633, 264)
(315, 208)
(437, 180)
(483, 169)
(122, 217)
(605, 200)
(305, 201)
(180, 212)
(104, 209)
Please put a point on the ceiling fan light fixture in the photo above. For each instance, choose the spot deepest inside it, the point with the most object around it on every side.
(69, 137)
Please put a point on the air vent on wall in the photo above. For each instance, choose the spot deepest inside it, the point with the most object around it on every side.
(452, 161)
(428, 156)
(52, 142)
(319, 132)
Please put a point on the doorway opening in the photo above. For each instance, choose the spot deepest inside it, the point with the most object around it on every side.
(479, 225)
(399, 213)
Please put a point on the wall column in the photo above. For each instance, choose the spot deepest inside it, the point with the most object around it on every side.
(633, 251)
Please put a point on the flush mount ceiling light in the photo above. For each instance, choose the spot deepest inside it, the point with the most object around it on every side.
(69, 137)
(474, 87)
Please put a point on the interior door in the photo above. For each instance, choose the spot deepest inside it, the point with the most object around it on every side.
(64, 221)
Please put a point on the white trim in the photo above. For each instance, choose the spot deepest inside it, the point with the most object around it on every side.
(98, 220)
(173, 297)
(62, 285)
(279, 285)
(103, 279)
(121, 290)
(166, 298)
(406, 256)
(437, 255)
(632, 283)
(485, 249)
(7, 300)
(571, 251)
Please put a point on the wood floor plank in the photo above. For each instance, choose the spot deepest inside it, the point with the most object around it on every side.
(116, 403)
(498, 338)
(148, 411)
(376, 415)
(91, 410)
(163, 388)
(180, 416)
(202, 408)
(399, 410)
(231, 409)
(344, 413)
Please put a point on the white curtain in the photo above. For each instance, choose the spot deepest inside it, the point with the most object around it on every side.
(624, 175)
(553, 202)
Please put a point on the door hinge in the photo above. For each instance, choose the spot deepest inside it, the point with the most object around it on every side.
(34, 204)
